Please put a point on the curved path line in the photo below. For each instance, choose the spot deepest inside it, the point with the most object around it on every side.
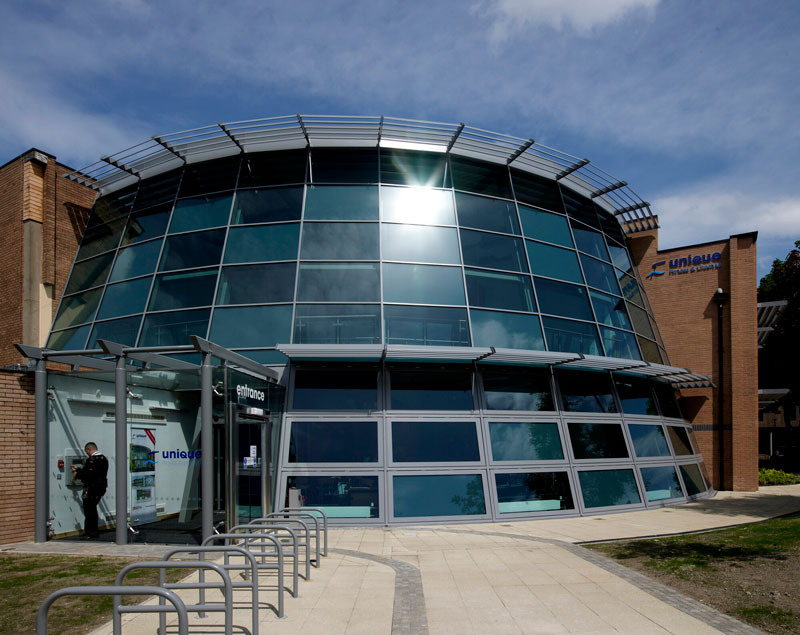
(675, 599)
(409, 616)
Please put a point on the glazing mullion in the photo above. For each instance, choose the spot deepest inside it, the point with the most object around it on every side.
(308, 181)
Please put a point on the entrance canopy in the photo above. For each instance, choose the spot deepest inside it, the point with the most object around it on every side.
(123, 360)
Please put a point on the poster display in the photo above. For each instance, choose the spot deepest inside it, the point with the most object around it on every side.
(143, 476)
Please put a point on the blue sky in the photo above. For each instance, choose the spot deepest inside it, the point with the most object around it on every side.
(694, 103)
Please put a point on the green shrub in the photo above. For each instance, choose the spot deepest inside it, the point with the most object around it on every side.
(775, 477)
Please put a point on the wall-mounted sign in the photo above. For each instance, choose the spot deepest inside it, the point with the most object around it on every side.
(248, 396)
(687, 264)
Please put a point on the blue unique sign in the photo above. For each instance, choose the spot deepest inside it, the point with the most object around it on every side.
(687, 264)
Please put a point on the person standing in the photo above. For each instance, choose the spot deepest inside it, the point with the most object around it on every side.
(93, 475)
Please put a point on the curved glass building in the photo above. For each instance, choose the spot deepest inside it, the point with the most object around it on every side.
(453, 314)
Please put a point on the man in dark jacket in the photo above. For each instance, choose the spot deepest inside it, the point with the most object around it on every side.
(93, 474)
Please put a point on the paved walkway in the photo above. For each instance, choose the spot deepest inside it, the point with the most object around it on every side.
(516, 577)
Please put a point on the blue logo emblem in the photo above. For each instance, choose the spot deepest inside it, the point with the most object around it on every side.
(150, 460)
(654, 272)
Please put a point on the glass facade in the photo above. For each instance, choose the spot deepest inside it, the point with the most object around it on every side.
(375, 246)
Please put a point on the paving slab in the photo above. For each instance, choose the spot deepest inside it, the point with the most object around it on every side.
(483, 578)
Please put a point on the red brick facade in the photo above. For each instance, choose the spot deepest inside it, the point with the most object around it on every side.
(682, 298)
(16, 453)
(43, 217)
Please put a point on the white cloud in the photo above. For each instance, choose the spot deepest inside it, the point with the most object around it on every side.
(582, 16)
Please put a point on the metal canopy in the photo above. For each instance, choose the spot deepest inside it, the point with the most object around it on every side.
(768, 314)
(679, 377)
(165, 152)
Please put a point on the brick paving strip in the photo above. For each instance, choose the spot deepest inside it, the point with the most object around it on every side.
(691, 607)
(409, 616)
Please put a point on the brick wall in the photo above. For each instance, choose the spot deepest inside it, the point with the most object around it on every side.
(687, 318)
(10, 261)
(16, 454)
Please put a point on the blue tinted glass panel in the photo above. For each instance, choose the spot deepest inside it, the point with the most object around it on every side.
(600, 275)
(491, 214)
(635, 395)
(431, 390)
(99, 239)
(273, 168)
(158, 190)
(692, 480)
(499, 290)
(580, 208)
(200, 213)
(585, 392)
(125, 298)
(521, 390)
(666, 399)
(337, 165)
(252, 326)
(122, 331)
(89, 273)
(619, 343)
(630, 289)
(210, 176)
(525, 441)
(610, 310)
(661, 483)
(434, 441)
(338, 282)
(422, 284)
(590, 242)
(417, 206)
(648, 440)
(506, 330)
(493, 251)
(536, 190)
(680, 440)
(262, 244)
(138, 260)
(333, 442)
(336, 390)
(267, 206)
(406, 167)
(620, 258)
(77, 309)
(148, 224)
(112, 206)
(337, 324)
(440, 495)
(554, 262)
(608, 488)
(522, 492)
(341, 203)
(558, 298)
(256, 284)
(183, 290)
(569, 336)
(650, 352)
(426, 325)
(338, 496)
(175, 328)
(417, 243)
(479, 176)
(192, 250)
(597, 440)
(540, 225)
(69, 340)
(340, 241)
(641, 323)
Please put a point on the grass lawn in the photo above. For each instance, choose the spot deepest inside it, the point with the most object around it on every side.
(749, 572)
(27, 579)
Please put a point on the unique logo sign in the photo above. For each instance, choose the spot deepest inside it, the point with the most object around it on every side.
(687, 264)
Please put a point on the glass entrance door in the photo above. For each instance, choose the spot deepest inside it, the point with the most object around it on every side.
(249, 455)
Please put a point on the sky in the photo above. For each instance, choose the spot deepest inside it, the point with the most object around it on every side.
(693, 102)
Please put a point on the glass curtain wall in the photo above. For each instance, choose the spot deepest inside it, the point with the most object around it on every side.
(355, 246)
